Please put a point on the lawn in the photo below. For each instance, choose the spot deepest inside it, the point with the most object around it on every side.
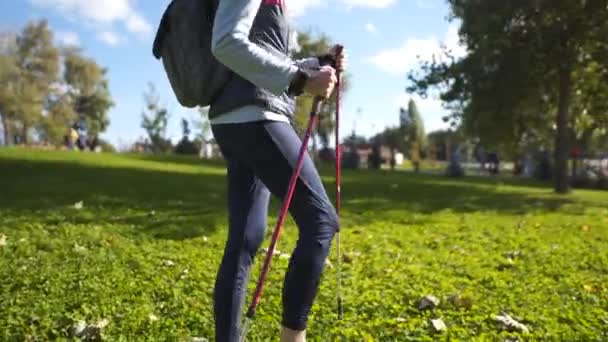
(132, 243)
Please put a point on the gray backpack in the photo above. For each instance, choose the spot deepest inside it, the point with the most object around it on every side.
(183, 41)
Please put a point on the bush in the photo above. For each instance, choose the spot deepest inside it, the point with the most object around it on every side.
(351, 160)
(187, 147)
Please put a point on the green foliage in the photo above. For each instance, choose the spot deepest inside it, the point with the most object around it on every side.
(89, 89)
(527, 76)
(412, 132)
(202, 125)
(34, 97)
(482, 246)
(154, 120)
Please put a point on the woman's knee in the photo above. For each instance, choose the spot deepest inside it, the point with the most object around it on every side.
(320, 227)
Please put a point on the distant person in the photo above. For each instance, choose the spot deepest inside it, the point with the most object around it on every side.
(251, 123)
(93, 143)
(73, 138)
(494, 162)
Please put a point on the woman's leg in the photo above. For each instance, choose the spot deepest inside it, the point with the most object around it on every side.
(316, 220)
(248, 201)
(271, 149)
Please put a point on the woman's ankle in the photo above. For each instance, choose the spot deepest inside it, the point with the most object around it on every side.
(289, 335)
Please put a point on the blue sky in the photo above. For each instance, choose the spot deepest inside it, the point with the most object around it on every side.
(383, 39)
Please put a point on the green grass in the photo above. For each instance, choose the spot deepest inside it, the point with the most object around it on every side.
(406, 236)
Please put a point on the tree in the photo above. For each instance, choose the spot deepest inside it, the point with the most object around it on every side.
(412, 133)
(34, 97)
(523, 70)
(185, 145)
(9, 75)
(55, 123)
(37, 68)
(392, 138)
(87, 84)
(202, 125)
(154, 120)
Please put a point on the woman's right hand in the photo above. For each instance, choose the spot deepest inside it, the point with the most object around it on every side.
(322, 82)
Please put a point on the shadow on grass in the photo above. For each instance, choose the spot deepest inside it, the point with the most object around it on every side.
(175, 205)
(178, 159)
(159, 203)
(384, 190)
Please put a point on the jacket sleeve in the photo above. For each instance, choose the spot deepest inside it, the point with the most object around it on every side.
(232, 47)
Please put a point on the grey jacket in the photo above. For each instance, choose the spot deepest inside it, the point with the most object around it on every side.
(253, 38)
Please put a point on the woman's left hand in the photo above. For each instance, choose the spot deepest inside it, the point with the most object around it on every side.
(341, 57)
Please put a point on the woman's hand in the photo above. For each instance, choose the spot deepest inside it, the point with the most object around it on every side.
(322, 82)
(339, 53)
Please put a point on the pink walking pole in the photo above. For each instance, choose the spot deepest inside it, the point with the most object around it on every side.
(338, 187)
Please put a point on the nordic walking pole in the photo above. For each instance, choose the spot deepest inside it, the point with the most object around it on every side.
(314, 113)
(338, 189)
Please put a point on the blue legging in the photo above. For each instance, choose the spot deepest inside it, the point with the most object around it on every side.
(261, 157)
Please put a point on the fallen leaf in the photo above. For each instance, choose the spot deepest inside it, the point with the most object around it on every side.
(184, 274)
(507, 322)
(438, 324)
(513, 254)
(276, 251)
(459, 301)
(2, 240)
(400, 319)
(78, 248)
(79, 328)
(507, 264)
(102, 323)
(428, 302)
(591, 288)
(153, 318)
(347, 258)
(168, 263)
(79, 205)
(511, 339)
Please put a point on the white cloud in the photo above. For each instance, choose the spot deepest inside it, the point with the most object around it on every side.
(369, 3)
(297, 8)
(138, 24)
(402, 59)
(68, 38)
(369, 27)
(109, 38)
(106, 12)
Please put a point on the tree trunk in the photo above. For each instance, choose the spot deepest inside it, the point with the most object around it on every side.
(24, 134)
(561, 139)
(5, 130)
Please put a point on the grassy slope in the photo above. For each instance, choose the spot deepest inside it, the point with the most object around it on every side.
(407, 236)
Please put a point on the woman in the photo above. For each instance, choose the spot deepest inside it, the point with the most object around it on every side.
(251, 123)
